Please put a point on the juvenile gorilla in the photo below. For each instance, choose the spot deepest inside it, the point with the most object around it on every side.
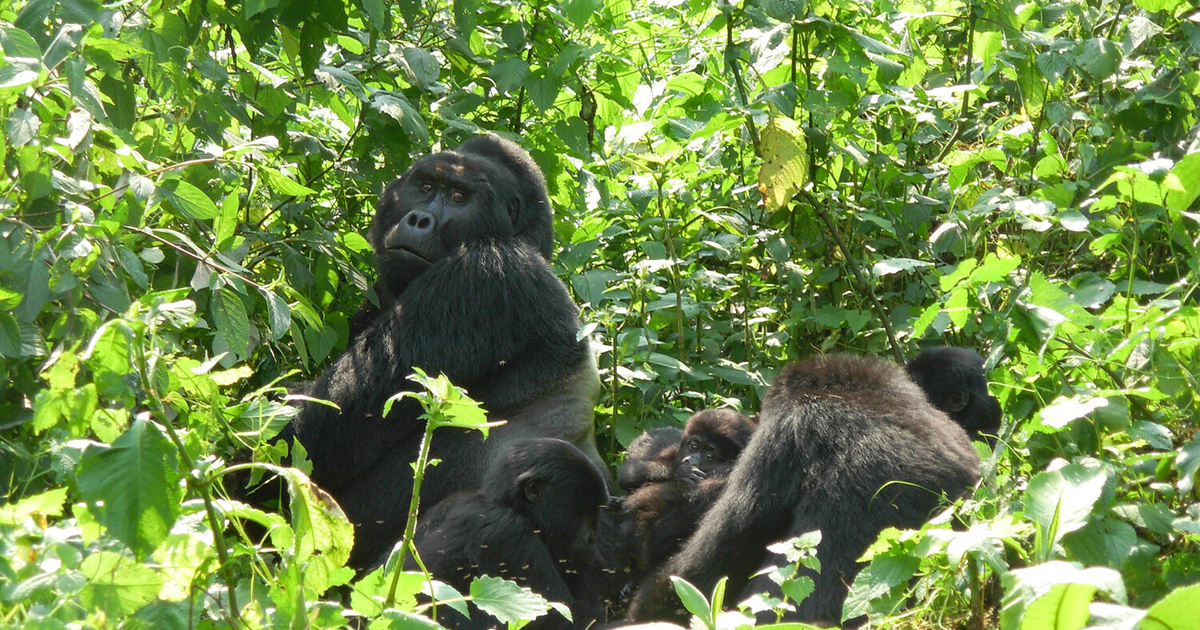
(533, 522)
(953, 380)
(461, 244)
(642, 462)
(847, 445)
(662, 513)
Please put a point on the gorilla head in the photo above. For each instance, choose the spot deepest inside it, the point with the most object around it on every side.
(712, 440)
(556, 487)
(953, 380)
(488, 188)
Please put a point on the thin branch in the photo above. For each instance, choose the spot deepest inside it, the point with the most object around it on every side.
(863, 286)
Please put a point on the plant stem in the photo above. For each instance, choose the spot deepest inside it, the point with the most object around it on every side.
(200, 485)
(411, 526)
(860, 279)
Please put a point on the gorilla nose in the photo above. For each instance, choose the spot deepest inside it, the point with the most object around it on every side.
(419, 222)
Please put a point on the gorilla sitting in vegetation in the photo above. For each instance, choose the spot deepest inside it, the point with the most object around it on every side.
(847, 445)
(533, 522)
(461, 243)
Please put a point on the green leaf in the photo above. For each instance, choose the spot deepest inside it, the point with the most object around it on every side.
(693, 600)
(49, 503)
(1060, 501)
(578, 11)
(394, 105)
(1022, 587)
(252, 8)
(784, 10)
(133, 486)
(1188, 172)
(1176, 611)
(22, 127)
(233, 325)
(785, 162)
(280, 315)
(889, 266)
(187, 200)
(1154, 6)
(543, 90)
(18, 43)
(1103, 543)
(10, 336)
(110, 348)
(506, 601)
(509, 74)
(319, 524)
(1099, 58)
(1063, 607)
(285, 185)
(116, 584)
(15, 76)
(421, 66)
(377, 13)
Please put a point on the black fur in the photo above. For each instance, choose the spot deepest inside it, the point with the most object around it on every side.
(643, 463)
(660, 515)
(953, 380)
(461, 242)
(533, 522)
(847, 445)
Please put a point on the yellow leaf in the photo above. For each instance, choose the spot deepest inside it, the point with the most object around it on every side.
(785, 162)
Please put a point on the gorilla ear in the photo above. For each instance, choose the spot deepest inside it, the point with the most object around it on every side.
(532, 488)
(514, 211)
(959, 402)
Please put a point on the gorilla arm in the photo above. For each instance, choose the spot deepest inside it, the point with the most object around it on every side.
(492, 316)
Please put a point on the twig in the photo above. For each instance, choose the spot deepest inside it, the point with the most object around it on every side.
(860, 280)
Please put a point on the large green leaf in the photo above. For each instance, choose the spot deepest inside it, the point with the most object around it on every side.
(1063, 607)
(233, 325)
(117, 584)
(1176, 611)
(506, 601)
(187, 200)
(134, 486)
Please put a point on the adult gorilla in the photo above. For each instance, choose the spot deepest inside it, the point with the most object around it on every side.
(847, 445)
(461, 243)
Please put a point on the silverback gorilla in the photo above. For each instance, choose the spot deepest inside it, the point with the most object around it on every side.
(461, 246)
(847, 445)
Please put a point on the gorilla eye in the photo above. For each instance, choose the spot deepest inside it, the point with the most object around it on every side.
(693, 445)
(959, 402)
(709, 456)
(426, 186)
(458, 196)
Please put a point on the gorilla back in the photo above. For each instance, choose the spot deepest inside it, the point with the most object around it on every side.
(847, 445)
(461, 243)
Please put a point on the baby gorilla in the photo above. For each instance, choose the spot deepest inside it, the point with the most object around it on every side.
(680, 482)
(532, 522)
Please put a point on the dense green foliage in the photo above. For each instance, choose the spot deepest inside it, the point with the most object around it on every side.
(185, 184)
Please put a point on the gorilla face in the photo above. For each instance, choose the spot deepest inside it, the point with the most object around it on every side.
(442, 202)
(712, 440)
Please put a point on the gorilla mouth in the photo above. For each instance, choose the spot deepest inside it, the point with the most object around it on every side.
(408, 253)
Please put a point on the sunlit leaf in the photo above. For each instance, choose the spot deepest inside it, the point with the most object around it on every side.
(785, 162)
(134, 486)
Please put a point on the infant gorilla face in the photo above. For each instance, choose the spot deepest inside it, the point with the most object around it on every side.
(711, 442)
